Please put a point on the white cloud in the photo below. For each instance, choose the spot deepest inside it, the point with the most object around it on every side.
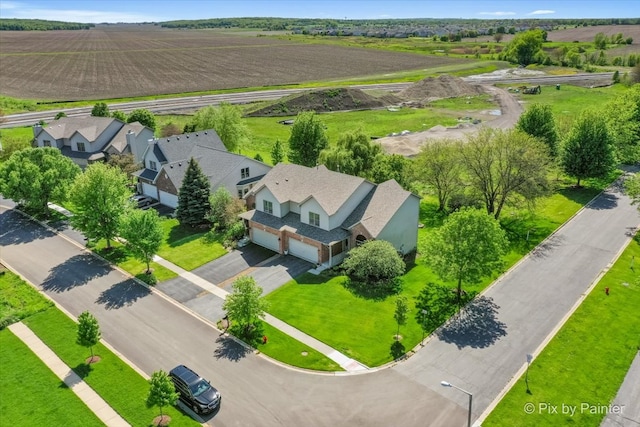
(497, 13)
(8, 5)
(22, 11)
(542, 12)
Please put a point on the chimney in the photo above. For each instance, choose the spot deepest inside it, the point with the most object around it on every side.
(36, 129)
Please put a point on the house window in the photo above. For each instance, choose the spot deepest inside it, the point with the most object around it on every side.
(244, 173)
(81, 147)
(314, 219)
(152, 165)
(46, 143)
(267, 206)
(239, 194)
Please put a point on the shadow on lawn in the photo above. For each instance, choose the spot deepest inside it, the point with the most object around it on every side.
(122, 294)
(475, 326)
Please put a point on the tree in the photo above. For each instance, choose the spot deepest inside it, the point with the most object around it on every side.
(632, 185)
(525, 46)
(588, 148)
(538, 122)
(120, 115)
(498, 37)
(391, 166)
(36, 176)
(375, 263)
(125, 162)
(142, 116)
(467, 247)
(307, 139)
(9, 144)
(224, 209)
(401, 313)
(278, 153)
(193, 197)
(504, 164)
(258, 157)
(162, 391)
(60, 115)
(438, 166)
(435, 304)
(226, 120)
(353, 154)
(100, 109)
(99, 196)
(143, 234)
(601, 40)
(170, 129)
(623, 118)
(88, 331)
(245, 304)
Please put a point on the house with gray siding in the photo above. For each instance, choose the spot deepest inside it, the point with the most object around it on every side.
(165, 162)
(92, 139)
(319, 215)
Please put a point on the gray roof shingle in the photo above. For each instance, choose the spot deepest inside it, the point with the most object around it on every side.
(89, 127)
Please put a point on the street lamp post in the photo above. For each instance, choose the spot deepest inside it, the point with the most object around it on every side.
(526, 375)
(447, 384)
(424, 315)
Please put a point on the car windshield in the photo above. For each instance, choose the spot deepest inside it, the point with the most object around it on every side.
(200, 387)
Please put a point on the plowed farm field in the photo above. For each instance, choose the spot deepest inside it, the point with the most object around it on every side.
(113, 61)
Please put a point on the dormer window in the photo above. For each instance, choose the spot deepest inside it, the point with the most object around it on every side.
(152, 165)
(244, 173)
(314, 219)
(267, 207)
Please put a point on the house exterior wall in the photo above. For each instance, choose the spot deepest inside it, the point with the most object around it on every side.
(255, 169)
(138, 143)
(402, 230)
(45, 136)
(150, 157)
(265, 194)
(352, 202)
(100, 142)
(357, 230)
(311, 205)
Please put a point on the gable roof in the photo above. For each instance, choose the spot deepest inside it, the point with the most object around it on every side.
(180, 147)
(375, 211)
(89, 127)
(295, 183)
(119, 141)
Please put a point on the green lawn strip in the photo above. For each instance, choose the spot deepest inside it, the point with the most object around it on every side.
(119, 255)
(32, 395)
(587, 360)
(187, 247)
(282, 347)
(18, 299)
(115, 381)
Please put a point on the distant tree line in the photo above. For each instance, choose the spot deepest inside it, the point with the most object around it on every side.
(40, 25)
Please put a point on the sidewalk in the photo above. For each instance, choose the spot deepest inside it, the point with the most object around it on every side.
(625, 409)
(345, 362)
(90, 398)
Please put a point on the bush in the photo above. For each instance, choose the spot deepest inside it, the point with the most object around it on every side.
(376, 264)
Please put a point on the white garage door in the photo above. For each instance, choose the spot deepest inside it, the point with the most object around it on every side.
(266, 239)
(149, 190)
(168, 199)
(302, 250)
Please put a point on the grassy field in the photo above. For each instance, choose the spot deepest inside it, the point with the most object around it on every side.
(17, 299)
(189, 248)
(32, 395)
(587, 361)
(109, 378)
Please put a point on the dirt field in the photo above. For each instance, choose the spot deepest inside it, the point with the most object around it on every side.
(136, 60)
(584, 34)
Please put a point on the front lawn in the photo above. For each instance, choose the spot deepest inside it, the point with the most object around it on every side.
(18, 299)
(115, 381)
(187, 247)
(587, 361)
(32, 395)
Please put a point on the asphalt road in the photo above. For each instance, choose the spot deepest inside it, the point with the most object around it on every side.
(480, 353)
(192, 103)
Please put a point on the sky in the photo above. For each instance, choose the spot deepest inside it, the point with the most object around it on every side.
(96, 11)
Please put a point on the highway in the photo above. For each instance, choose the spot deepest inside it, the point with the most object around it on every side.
(192, 103)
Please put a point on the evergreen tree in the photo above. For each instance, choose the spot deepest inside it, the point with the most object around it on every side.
(193, 197)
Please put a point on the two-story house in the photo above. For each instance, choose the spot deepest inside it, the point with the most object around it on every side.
(318, 215)
(91, 139)
(166, 160)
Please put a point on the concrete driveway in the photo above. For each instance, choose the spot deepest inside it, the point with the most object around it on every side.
(269, 269)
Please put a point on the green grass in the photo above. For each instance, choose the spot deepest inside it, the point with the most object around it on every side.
(588, 359)
(189, 248)
(282, 347)
(115, 381)
(32, 395)
(18, 299)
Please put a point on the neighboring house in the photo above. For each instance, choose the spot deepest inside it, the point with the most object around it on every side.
(166, 160)
(90, 139)
(319, 215)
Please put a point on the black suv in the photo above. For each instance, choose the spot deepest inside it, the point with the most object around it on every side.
(195, 391)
